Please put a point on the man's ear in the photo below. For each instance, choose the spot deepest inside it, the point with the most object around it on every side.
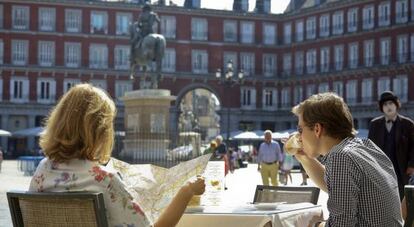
(317, 128)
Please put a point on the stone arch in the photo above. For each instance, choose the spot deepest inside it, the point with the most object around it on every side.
(193, 86)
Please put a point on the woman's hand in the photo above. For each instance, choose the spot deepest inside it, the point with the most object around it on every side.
(197, 186)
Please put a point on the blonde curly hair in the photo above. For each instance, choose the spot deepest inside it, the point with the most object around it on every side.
(80, 126)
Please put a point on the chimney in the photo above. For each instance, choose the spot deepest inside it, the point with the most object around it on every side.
(237, 5)
(241, 5)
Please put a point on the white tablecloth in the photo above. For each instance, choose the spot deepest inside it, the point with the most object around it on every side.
(286, 215)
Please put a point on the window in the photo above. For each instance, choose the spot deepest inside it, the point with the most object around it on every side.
(412, 10)
(19, 89)
(68, 83)
(297, 94)
(287, 64)
(366, 91)
(269, 101)
(121, 87)
(46, 53)
(353, 20)
(19, 52)
(47, 18)
(412, 47)
(311, 28)
(323, 87)
(310, 90)
(299, 31)
(287, 33)
(198, 29)
(1, 51)
(311, 61)
(402, 45)
(384, 14)
(199, 61)
(351, 92)
(247, 32)
(168, 26)
(99, 83)
(230, 56)
(368, 17)
(353, 55)
(286, 102)
(248, 97)
(99, 22)
(230, 31)
(385, 51)
(1, 16)
(269, 65)
(269, 34)
(122, 23)
(299, 63)
(339, 57)
(324, 25)
(401, 14)
(383, 84)
(400, 87)
(245, 5)
(73, 18)
(46, 90)
(324, 59)
(338, 23)
(20, 17)
(168, 62)
(369, 53)
(98, 56)
(338, 88)
(72, 55)
(247, 63)
(121, 57)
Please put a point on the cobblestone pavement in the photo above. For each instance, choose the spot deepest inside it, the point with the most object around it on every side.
(241, 186)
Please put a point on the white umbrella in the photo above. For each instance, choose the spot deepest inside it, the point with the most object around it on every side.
(37, 131)
(246, 136)
(4, 133)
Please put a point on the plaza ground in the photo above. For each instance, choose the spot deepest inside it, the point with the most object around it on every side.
(241, 186)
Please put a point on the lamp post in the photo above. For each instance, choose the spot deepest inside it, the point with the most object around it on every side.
(229, 79)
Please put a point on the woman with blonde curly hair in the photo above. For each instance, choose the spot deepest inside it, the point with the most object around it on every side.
(79, 138)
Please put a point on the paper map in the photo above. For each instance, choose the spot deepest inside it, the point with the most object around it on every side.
(154, 187)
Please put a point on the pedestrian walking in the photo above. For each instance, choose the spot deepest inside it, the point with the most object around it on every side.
(268, 159)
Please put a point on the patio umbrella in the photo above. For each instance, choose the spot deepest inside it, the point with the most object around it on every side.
(37, 131)
(4, 133)
(246, 136)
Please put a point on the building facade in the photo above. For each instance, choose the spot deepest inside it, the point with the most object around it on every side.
(356, 48)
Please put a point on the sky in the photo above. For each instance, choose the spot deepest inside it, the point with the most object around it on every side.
(278, 6)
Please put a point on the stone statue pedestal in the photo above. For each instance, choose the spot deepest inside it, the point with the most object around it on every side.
(147, 124)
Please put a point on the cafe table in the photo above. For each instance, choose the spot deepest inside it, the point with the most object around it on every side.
(249, 215)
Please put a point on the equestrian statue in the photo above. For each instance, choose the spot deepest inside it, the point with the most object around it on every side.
(146, 46)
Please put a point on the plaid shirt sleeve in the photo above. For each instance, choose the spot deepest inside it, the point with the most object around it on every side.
(343, 179)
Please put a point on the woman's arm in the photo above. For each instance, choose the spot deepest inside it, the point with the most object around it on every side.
(176, 208)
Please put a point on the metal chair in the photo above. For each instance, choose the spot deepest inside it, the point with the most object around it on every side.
(64, 209)
(265, 193)
(409, 198)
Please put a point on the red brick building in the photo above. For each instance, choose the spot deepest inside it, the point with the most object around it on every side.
(355, 48)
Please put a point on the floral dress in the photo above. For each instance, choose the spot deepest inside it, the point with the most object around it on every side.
(80, 175)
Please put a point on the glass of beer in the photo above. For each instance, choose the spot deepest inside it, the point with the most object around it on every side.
(293, 144)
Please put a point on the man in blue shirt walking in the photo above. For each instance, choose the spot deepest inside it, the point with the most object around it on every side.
(268, 159)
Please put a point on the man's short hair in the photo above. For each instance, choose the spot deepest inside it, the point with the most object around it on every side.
(219, 137)
(268, 132)
(329, 110)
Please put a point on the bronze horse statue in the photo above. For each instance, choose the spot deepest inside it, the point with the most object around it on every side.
(144, 51)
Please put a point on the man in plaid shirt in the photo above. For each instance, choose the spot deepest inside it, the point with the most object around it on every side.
(358, 177)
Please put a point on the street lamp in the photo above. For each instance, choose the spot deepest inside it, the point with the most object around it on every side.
(229, 79)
